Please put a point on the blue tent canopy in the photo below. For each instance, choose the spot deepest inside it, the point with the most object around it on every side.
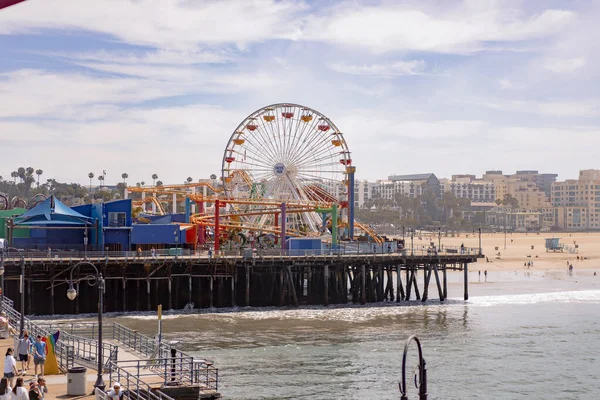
(52, 212)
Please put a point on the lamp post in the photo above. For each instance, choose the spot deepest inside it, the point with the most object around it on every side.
(412, 235)
(479, 241)
(439, 238)
(92, 280)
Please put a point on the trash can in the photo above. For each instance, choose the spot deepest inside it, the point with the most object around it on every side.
(76, 379)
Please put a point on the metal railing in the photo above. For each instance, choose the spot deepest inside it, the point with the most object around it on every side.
(351, 249)
(65, 352)
(135, 387)
(189, 371)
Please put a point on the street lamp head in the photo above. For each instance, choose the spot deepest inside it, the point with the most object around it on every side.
(71, 292)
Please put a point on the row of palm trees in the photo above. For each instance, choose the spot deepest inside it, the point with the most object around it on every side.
(125, 175)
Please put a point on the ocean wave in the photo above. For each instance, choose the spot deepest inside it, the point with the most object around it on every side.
(575, 296)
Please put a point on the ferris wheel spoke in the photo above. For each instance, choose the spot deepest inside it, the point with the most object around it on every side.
(310, 147)
(268, 145)
(264, 134)
(260, 146)
(295, 145)
(254, 153)
(257, 161)
(322, 162)
(319, 142)
(310, 134)
(323, 155)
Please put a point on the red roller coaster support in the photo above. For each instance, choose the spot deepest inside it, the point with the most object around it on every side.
(217, 205)
(201, 229)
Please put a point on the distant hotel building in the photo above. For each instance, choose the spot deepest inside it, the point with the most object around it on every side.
(575, 203)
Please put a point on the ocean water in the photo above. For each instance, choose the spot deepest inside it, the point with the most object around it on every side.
(538, 340)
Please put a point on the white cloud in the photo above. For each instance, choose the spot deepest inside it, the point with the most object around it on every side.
(462, 30)
(35, 92)
(579, 108)
(415, 67)
(167, 24)
(186, 25)
(508, 84)
(565, 65)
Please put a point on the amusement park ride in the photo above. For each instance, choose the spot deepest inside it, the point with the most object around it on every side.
(15, 202)
(286, 172)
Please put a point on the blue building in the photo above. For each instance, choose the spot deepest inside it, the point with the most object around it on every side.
(104, 226)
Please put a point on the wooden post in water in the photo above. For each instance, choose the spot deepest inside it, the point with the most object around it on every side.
(52, 296)
(439, 285)
(281, 288)
(445, 278)
(291, 286)
(148, 298)
(189, 290)
(466, 278)
(399, 288)
(326, 285)
(363, 285)
(247, 294)
(137, 297)
(233, 289)
(210, 291)
(170, 283)
(124, 283)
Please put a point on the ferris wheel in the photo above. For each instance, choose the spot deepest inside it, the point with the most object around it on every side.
(289, 153)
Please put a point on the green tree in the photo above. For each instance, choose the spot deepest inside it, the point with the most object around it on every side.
(154, 178)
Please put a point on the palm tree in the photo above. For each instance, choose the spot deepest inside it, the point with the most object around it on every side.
(154, 178)
(213, 177)
(101, 179)
(14, 175)
(138, 184)
(38, 172)
(91, 176)
(189, 179)
(143, 183)
(159, 183)
(21, 173)
(124, 175)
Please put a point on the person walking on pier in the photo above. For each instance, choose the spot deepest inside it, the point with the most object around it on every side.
(39, 355)
(23, 350)
(479, 275)
(10, 366)
(485, 274)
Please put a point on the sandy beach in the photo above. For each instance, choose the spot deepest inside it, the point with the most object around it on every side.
(525, 247)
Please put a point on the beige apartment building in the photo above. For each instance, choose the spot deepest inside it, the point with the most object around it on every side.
(468, 187)
(526, 191)
(575, 203)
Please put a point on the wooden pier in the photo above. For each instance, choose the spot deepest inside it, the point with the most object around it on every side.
(141, 282)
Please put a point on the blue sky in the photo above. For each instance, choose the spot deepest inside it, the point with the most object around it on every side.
(143, 87)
